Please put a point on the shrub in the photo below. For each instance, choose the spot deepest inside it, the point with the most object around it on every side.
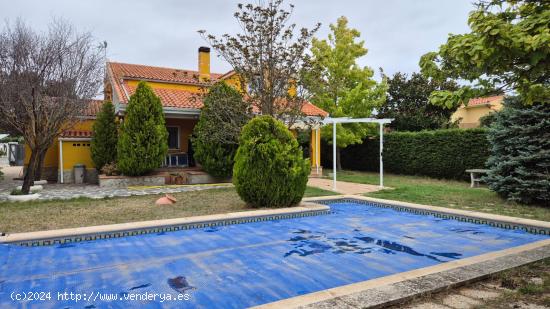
(104, 140)
(216, 135)
(439, 153)
(520, 153)
(269, 169)
(110, 169)
(143, 140)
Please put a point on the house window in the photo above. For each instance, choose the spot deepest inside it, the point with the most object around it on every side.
(173, 137)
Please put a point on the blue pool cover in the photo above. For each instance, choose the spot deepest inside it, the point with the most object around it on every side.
(241, 265)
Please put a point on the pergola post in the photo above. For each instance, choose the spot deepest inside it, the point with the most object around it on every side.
(334, 121)
(334, 155)
(381, 161)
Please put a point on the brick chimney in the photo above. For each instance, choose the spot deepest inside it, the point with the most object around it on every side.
(204, 63)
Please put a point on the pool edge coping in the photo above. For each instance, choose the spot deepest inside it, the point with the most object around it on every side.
(438, 209)
(396, 288)
(305, 207)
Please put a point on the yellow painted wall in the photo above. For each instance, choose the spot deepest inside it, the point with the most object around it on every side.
(76, 152)
(234, 81)
(471, 115)
(204, 66)
(52, 154)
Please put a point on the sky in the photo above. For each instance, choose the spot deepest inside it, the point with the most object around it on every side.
(164, 32)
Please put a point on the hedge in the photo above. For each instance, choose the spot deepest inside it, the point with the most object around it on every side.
(439, 153)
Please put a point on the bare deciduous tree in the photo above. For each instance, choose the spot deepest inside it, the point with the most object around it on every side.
(46, 81)
(269, 56)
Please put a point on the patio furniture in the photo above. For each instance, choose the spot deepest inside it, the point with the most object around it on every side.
(473, 172)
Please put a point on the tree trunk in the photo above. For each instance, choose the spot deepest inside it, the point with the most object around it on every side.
(28, 181)
(40, 164)
(338, 161)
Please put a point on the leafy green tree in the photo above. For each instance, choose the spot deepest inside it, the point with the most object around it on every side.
(408, 103)
(340, 86)
(269, 169)
(105, 137)
(520, 152)
(143, 140)
(216, 135)
(506, 50)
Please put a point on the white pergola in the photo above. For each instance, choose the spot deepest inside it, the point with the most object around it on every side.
(334, 121)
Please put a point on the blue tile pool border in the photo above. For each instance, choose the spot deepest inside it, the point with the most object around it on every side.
(166, 228)
(533, 229)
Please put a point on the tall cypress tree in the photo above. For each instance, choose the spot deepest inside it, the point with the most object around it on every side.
(104, 140)
(143, 141)
(520, 152)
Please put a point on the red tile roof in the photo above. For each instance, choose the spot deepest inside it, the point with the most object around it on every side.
(172, 97)
(138, 71)
(485, 100)
(119, 73)
(76, 134)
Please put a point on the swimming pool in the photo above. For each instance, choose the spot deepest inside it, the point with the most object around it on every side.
(243, 265)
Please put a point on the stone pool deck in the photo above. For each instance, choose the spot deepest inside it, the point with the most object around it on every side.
(71, 191)
(343, 187)
(55, 191)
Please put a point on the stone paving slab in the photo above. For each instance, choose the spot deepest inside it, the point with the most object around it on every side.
(67, 192)
(342, 186)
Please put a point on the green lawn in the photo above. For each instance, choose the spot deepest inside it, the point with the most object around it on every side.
(312, 192)
(446, 193)
(48, 215)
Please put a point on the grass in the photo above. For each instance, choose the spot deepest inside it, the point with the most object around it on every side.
(47, 215)
(521, 287)
(527, 286)
(445, 193)
(312, 192)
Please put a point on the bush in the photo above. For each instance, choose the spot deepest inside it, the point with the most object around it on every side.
(520, 153)
(269, 170)
(110, 169)
(143, 140)
(104, 140)
(439, 153)
(216, 135)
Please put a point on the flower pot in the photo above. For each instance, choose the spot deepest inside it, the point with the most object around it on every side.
(34, 188)
(23, 198)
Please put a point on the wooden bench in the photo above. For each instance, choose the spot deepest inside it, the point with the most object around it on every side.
(473, 172)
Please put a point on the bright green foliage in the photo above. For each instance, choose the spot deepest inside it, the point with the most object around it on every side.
(104, 140)
(216, 135)
(143, 141)
(520, 153)
(409, 105)
(269, 169)
(424, 153)
(340, 86)
(507, 49)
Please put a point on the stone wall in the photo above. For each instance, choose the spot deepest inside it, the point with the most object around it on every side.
(91, 176)
(126, 181)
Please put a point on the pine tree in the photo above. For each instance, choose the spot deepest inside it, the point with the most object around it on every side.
(143, 141)
(520, 152)
(104, 140)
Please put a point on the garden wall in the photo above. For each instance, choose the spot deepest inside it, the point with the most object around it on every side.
(438, 153)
